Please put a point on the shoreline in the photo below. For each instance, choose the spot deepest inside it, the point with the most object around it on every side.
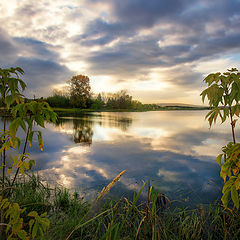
(174, 108)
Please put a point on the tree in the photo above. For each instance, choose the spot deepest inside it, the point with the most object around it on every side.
(97, 103)
(79, 90)
(120, 100)
(223, 94)
(58, 99)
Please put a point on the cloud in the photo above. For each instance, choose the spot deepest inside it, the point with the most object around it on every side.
(123, 40)
(201, 30)
(147, 13)
(39, 60)
(41, 75)
(8, 49)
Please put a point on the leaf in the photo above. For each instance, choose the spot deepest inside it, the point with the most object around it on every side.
(13, 127)
(9, 100)
(19, 163)
(225, 198)
(9, 170)
(203, 94)
(234, 123)
(26, 165)
(237, 111)
(21, 169)
(40, 140)
(34, 230)
(224, 170)
(22, 235)
(227, 186)
(43, 214)
(237, 184)
(31, 222)
(40, 120)
(234, 196)
(30, 136)
(22, 124)
(6, 145)
(219, 159)
(33, 214)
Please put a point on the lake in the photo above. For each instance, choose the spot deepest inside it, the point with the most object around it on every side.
(175, 150)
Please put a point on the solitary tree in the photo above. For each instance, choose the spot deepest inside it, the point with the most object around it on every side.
(79, 90)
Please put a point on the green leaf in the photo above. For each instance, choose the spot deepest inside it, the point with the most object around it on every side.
(227, 186)
(22, 124)
(35, 229)
(40, 140)
(13, 127)
(224, 170)
(219, 159)
(234, 196)
(30, 136)
(22, 235)
(43, 214)
(31, 222)
(9, 100)
(225, 198)
(33, 214)
(27, 165)
(21, 169)
(40, 120)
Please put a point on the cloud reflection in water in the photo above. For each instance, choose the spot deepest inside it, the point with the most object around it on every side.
(175, 150)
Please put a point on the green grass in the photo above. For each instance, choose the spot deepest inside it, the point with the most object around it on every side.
(72, 217)
(75, 111)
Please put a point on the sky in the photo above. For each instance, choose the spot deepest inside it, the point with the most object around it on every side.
(158, 50)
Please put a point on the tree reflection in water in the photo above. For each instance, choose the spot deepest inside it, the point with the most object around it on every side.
(82, 131)
(82, 127)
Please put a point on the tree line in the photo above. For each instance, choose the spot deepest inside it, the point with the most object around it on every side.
(78, 94)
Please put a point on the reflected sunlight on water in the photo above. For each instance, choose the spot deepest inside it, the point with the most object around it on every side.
(174, 149)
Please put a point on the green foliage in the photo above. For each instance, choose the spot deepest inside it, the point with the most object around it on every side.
(38, 224)
(79, 90)
(230, 172)
(32, 113)
(223, 94)
(15, 226)
(58, 100)
(11, 86)
(98, 103)
(25, 115)
(15, 221)
(147, 218)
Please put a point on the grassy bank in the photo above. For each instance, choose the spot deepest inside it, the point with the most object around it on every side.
(69, 111)
(72, 217)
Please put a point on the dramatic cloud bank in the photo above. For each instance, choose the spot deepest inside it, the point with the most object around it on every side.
(160, 50)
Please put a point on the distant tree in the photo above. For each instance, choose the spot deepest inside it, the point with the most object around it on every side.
(79, 91)
(99, 97)
(120, 100)
(58, 99)
(97, 103)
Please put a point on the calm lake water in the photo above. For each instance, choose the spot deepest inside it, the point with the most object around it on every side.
(175, 150)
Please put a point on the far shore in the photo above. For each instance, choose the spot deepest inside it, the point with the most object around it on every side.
(167, 108)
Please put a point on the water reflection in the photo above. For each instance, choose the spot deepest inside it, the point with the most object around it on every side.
(81, 128)
(175, 150)
(82, 131)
